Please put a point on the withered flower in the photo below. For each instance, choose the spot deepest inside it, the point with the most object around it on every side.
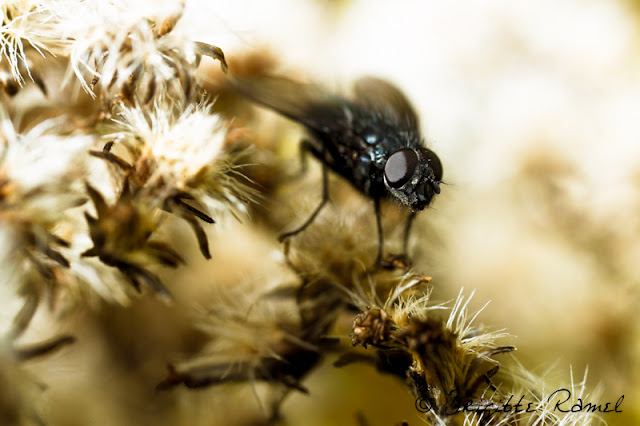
(40, 175)
(371, 327)
(26, 26)
(277, 337)
(130, 54)
(446, 364)
(177, 163)
(121, 235)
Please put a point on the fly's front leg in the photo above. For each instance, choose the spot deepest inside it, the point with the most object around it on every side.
(407, 231)
(376, 204)
(307, 146)
(401, 261)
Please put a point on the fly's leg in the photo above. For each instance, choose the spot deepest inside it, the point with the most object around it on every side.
(376, 204)
(307, 146)
(401, 261)
(407, 231)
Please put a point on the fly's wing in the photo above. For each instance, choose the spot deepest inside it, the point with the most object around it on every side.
(385, 97)
(304, 103)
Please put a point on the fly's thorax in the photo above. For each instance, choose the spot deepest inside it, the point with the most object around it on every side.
(412, 176)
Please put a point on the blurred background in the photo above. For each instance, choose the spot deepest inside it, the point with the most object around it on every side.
(534, 110)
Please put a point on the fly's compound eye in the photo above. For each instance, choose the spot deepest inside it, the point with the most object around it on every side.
(400, 167)
(434, 162)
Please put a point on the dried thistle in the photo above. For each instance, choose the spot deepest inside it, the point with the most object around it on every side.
(337, 250)
(177, 163)
(130, 54)
(274, 334)
(40, 174)
(259, 337)
(446, 364)
(122, 234)
(24, 25)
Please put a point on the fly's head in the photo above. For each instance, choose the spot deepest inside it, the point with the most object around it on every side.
(413, 176)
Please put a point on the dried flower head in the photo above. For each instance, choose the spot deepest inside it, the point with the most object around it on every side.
(334, 248)
(446, 363)
(257, 337)
(121, 236)
(24, 25)
(335, 255)
(177, 163)
(129, 53)
(40, 182)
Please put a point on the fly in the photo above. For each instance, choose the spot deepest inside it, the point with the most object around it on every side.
(372, 140)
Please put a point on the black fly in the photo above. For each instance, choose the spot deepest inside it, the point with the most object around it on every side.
(372, 140)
